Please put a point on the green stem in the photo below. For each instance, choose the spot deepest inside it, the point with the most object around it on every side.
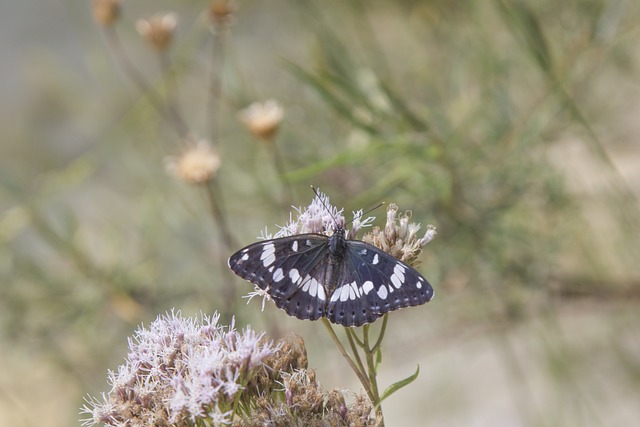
(383, 329)
(361, 375)
(373, 380)
(351, 336)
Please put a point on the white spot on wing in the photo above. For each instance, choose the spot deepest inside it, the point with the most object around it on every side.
(396, 282)
(294, 275)
(313, 287)
(399, 271)
(321, 294)
(307, 283)
(245, 257)
(382, 292)
(278, 275)
(355, 292)
(376, 259)
(344, 294)
(294, 247)
(268, 256)
(418, 285)
(397, 278)
(367, 286)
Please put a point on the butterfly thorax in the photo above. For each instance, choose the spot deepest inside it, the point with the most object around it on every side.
(337, 244)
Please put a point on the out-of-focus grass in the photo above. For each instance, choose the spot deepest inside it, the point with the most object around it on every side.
(503, 123)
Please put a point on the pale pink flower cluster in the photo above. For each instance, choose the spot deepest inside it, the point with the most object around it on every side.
(323, 218)
(180, 369)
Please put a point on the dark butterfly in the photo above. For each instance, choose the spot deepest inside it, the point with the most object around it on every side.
(348, 281)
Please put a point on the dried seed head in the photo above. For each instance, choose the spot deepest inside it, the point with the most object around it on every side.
(221, 12)
(262, 119)
(198, 164)
(399, 237)
(158, 30)
(106, 12)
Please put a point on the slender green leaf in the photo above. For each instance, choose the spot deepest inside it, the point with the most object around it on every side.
(323, 89)
(398, 385)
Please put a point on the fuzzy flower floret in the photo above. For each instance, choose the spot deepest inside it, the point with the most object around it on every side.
(320, 217)
(180, 370)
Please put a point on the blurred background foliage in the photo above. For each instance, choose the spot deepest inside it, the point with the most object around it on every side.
(510, 125)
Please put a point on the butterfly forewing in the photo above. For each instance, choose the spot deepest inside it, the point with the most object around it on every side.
(290, 269)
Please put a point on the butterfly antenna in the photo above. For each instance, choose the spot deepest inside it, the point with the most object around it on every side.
(315, 191)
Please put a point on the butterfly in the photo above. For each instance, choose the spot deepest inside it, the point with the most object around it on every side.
(349, 282)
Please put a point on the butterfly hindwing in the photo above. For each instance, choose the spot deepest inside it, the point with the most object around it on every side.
(372, 283)
(290, 269)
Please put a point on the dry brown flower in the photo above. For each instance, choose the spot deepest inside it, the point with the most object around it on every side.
(106, 12)
(399, 237)
(262, 119)
(198, 164)
(221, 12)
(158, 30)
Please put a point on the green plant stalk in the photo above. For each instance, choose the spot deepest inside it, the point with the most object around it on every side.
(361, 375)
(373, 380)
(368, 375)
(351, 336)
(383, 328)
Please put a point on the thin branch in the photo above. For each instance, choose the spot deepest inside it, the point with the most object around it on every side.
(168, 113)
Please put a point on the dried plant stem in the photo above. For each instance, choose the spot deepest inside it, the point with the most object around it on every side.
(171, 82)
(215, 203)
(166, 111)
(280, 171)
(215, 82)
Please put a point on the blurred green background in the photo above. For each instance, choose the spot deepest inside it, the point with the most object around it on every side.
(510, 125)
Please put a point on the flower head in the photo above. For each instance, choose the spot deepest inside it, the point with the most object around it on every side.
(106, 12)
(180, 369)
(400, 237)
(198, 164)
(262, 119)
(158, 30)
(319, 217)
(221, 12)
